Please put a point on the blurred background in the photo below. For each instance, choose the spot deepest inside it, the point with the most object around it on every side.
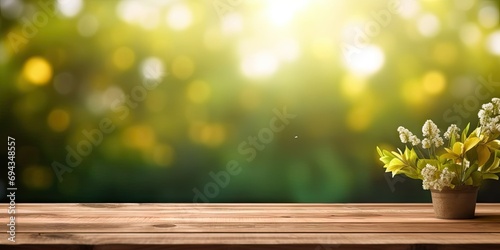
(176, 100)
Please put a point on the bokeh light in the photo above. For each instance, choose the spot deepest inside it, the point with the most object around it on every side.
(179, 17)
(64, 83)
(70, 8)
(37, 71)
(183, 67)
(428, 25)
(470, 34)
(152, 68)
(154, 95)
(260, 64)
(488, 16)
(37, 177)
(198, 91)
(366, 62)
(163, 155)
(434, 82)
(58, 120)
(11, 9)
(123, 58)
(88, 25)
(140, 137)
(493, 43)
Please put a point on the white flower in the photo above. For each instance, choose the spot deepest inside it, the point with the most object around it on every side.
(438, 142)
(403, 138)
(446, 177)
(481, 114)
(426, 143)
(431, 132)
(489, 117)
(496, 101)
(452, 130)
(429, 171)
(414, 140)
(430, 129)
(406, 136)
(488, 107)
(403, 134)
(434, 179)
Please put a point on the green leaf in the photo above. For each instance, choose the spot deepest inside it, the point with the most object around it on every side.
(474, 134)
(496, 171)
(464, 132)
(386, 159)
(495, 144)
(470, 143)
(395, 165)
(490, 176)
(470, 170)
(494, 165)
(450, 156)
(477, 179)
(410, 172)
(453, 139)
(407, 153)
(458, 148)
(413, 156)
(396, 154)
(483, 154)
(453, 167)
(469, 181)
(385, 156)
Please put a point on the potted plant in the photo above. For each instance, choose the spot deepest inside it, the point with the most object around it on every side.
(453, 168)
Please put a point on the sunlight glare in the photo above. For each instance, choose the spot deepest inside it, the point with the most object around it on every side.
(368, 61)
(282, 12)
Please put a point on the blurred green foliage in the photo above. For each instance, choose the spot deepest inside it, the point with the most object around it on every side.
(351, 71)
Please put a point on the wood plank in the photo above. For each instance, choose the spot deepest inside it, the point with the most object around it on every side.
(250, 208)
(229, 206)
(256, 238)
(244, 227)
(250, 247)
(248, 218)
(240, 224)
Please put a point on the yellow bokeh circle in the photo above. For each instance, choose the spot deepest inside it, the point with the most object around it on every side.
(58, 120)
(183, 67)
(123, 58)
(434, 82)
(37, 177)
(37, 71)
(198, 91)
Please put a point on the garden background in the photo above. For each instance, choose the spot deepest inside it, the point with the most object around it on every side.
(235, 100)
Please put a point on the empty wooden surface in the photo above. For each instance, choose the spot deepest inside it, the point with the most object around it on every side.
(323, 225)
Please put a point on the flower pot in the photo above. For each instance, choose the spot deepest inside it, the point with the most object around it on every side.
(458, 203)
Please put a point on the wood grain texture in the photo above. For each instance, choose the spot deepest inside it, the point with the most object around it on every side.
(243, 225)
(249, 247)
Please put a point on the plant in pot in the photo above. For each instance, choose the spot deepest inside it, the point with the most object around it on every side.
(453, 168)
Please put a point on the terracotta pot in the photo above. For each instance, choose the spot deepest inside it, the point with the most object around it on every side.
(458, 203)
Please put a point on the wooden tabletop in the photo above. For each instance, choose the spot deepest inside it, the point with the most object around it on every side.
(247, 224)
